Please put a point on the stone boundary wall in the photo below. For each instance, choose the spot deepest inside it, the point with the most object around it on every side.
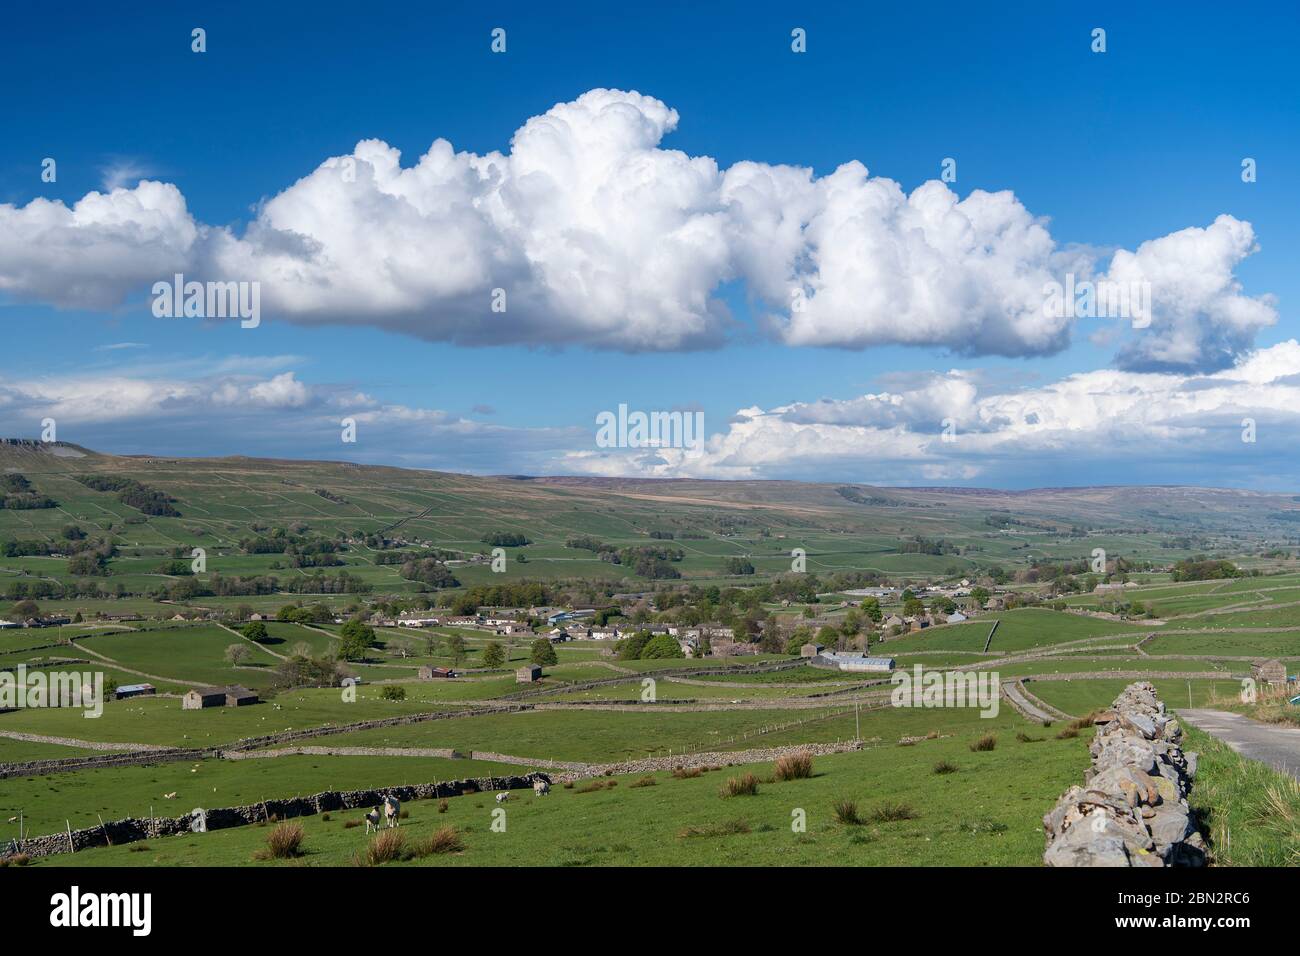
(166, 755)
(1132, 810)
(132, 829)
(721, 758)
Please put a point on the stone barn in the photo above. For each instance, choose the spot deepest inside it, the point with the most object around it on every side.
(196, 698)
(433, 673)
(528, 674)
(1270, 672)
(240, 696)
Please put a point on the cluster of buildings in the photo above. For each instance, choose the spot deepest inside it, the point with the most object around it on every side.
(198, 698)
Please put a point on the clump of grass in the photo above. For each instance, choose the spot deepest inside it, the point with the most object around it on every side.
(594, 785)
(443, 805)
(1024, 738)
(384, 848)
(945, 766)
(978, 827)
(892, 813)
(284, 842)
(442, 840)
(325, 818)
(138, 848)
(1083, 723)
(743, 786)
(643, 782)
(349, 824)
(17, 859)
(795, 766)
(729, 828)
(1067, 733)
(687, 773)
(846, 812)
(987, 742)
(568, 785)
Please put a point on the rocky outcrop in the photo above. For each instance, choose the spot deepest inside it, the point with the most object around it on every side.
(1132, 809)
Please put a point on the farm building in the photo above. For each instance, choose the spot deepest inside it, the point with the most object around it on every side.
(428, 672)
(956, 617)
(810, 650)
(859, 662)
(134, 690)
(237, 696)
(1270, 672)
(198, 698)
(528, 673)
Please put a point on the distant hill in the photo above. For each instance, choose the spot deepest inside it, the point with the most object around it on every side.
(224, 497)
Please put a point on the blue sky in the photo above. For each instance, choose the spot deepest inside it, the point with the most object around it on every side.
(1108, 151)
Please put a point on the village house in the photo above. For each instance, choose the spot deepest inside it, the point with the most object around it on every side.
(528, 674)
(428, 672)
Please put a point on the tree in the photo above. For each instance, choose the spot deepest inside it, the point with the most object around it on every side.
(543, 653)
(494, 655)
(661, 647)
(301, 649)
(456, 648)
(913, 607)
(981, 595)
(827, 636)
(355, 640)
(871, 608)
(237, 653)
(26, 609)
(255, 631)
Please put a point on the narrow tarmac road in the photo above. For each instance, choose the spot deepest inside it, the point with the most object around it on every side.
(1274, 744)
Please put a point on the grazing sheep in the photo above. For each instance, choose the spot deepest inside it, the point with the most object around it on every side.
(170, 796)
(372, 821)
(392, 811)
(541, 788)
(503, 797)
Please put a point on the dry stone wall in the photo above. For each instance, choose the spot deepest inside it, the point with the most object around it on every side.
(142, 828)
(1132, 809)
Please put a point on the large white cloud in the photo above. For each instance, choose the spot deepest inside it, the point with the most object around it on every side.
(601, 237)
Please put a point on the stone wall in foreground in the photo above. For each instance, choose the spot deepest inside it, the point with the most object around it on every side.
(1132, 809)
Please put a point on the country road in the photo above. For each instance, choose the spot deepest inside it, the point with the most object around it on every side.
(1273, 744)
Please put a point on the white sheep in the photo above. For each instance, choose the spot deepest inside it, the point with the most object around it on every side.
(392, 811)
(541, 788)
(503, 797)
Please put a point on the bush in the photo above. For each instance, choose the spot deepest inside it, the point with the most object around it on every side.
(846, 811)
(944, 766)
(393, 692)
(795, 766)
(987, 742)
(643, 782)
(443, 840)
(384, 848)
(686, 773)
(744, 786)
(283, 842)
(891, 813)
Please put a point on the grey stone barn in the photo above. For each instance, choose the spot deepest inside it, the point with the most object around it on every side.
(528, 673)
(196, 698)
